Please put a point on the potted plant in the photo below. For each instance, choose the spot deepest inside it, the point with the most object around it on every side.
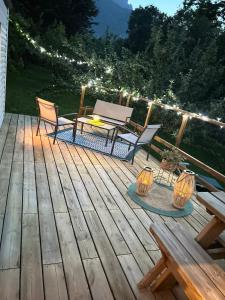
(170, 159)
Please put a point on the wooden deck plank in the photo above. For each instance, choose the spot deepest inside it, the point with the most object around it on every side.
(124, 207)
(11, 235)
(133, 242)
(134, 275)
(109, 225)
(31, 265)
(29, 185)
(55, 285)
(81, 230)
(4, 131)
(74, 272)
(114, 273)
(9, 284)
(58, 199)
(97, 280)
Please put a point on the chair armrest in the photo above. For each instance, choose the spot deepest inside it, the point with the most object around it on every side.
(128, 130)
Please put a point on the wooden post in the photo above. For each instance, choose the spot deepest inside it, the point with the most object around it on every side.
(83, 89)
(148, 114)
(181, 130)
(120, 98)
(128, 99)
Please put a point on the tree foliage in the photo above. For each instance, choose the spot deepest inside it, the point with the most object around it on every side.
(75, 15)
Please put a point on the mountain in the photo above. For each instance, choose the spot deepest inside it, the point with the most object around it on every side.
(123, 4)
(113, 17)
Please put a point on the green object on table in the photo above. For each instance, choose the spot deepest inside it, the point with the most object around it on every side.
(159, 201)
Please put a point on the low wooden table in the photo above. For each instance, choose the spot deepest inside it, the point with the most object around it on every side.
(215, 204)
(105, 126)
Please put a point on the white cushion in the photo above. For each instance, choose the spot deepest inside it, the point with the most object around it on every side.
(64, 121)
(131, 138)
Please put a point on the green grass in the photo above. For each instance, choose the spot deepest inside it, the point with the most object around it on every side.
(24, 85)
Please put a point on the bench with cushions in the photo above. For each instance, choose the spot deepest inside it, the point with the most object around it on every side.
(184, 261)
(112, 113)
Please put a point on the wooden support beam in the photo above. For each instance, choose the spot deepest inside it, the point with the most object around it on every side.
(150, 105)
(181, 130)
(152, 274)
(120, 98)
(128, 99)
(210, 232)
(83, 89)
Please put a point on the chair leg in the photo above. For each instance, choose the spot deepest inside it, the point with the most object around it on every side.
(56, 129)
(148, 153)
(133, 155)
(113, 145)
(129, 146)
(38, 126)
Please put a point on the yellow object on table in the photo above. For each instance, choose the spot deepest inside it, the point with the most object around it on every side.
(96, 123)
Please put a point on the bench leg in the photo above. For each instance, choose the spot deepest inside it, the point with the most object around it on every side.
(166, 280)
(152, 274)
(210, 232)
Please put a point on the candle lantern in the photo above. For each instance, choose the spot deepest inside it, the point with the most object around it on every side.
(183, 189)
(144, 181)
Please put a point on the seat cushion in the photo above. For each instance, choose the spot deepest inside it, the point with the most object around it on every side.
(129, 137)
(64, 121)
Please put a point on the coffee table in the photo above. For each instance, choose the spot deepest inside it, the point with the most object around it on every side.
(105, 126)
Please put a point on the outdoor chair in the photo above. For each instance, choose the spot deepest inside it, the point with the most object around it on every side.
(48, 112)
(137, 140)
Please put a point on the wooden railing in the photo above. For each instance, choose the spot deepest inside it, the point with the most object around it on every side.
(201, 165)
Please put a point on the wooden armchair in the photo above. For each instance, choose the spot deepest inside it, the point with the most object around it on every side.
(48, 112)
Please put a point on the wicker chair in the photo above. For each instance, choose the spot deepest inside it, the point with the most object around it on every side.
(48, 112)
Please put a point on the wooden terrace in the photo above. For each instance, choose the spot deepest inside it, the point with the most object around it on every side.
(68, 228)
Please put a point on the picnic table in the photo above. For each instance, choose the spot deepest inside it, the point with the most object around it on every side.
(215, 205)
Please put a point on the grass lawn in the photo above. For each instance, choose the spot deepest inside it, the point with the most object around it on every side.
(25, 84)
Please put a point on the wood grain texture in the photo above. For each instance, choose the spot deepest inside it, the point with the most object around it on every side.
(68, 228)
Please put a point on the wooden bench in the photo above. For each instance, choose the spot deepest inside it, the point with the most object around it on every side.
(184, 261)
(112, 113)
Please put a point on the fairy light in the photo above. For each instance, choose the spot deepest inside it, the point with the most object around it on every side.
(109, 70)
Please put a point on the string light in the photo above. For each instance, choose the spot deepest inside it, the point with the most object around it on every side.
(96, 83)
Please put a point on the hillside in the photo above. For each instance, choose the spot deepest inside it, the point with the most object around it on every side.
(112, 17)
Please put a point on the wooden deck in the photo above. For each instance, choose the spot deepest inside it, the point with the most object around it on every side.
(68, 228)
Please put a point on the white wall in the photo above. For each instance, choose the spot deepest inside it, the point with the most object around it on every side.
(3, 56)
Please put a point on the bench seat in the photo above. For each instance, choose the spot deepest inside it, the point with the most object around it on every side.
(184, 261)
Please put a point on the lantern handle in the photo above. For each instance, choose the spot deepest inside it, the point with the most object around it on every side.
(148, 168)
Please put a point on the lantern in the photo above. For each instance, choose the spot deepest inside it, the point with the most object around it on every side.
(144, 181)
(183, 188)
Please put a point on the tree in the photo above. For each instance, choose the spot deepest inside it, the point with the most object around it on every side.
(75, 15)
(140, 25)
